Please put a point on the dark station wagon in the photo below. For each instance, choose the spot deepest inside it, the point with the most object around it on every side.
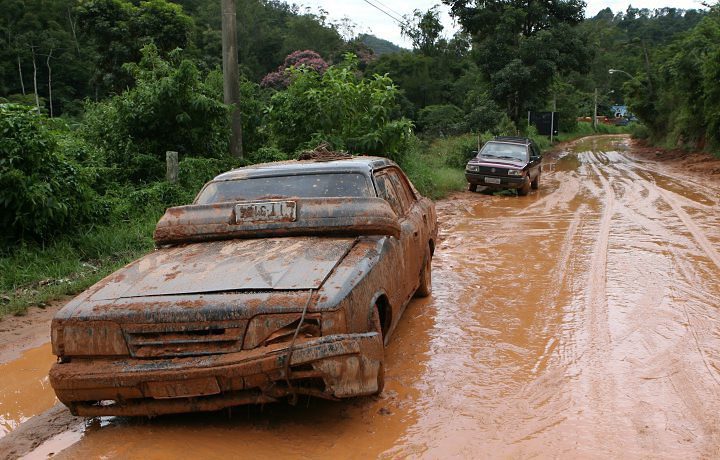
(506, 163)
(280, 280)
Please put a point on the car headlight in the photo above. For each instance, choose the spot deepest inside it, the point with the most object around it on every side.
(473, 168)
(515, 172)
(93, 338)
(271, 329)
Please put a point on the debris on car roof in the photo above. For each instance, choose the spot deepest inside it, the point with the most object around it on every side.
(324, 152)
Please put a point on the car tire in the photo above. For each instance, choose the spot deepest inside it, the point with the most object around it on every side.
(535, 184)
(472, 187)
(377, 327)
(425, 287)
(525, 189)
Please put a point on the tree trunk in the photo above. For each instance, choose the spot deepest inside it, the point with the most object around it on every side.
(231, 80)
(37, 98)
(49, 56)
(73, 29)
(22, 83)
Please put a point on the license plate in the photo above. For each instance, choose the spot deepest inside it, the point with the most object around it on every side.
(183, 388)
(492, 180)
(266, 211)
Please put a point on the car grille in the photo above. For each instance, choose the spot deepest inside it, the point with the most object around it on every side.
(493, 171)
(177, 340)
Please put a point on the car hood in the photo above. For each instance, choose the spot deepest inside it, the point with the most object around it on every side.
(230, 265)
(498, 163)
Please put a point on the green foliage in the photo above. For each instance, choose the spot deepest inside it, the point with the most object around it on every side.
(120, 28)
(338, 107)
(427, 168)
(267, 154)
(678, 99)
(521, 46)
(440, 120)
(43, 192)
(170, 108)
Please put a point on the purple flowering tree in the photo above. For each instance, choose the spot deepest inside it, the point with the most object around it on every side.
(281, 78)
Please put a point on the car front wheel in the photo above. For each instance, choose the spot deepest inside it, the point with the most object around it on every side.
(525, 189)
(535, 184)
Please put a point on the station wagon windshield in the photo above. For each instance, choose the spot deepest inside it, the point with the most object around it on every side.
(501, 150)
(300, 186)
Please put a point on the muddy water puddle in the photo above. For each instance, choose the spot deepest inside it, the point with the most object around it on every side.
(24, 388)
(579, 321)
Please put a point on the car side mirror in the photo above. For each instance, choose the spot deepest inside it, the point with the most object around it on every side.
(535, 158)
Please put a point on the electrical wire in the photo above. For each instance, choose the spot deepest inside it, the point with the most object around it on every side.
(394, 18)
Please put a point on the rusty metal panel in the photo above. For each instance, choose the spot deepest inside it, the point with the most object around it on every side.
(221, 266)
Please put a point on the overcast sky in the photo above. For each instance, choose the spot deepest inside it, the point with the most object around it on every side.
(369, 20)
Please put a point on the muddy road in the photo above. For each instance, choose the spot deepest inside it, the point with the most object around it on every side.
(580, 321)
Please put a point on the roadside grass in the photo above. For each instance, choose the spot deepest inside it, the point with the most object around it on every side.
(35, 275)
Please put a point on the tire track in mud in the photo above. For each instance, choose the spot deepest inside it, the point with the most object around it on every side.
(679, 374)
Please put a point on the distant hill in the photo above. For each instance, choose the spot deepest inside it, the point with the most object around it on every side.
(379, 45)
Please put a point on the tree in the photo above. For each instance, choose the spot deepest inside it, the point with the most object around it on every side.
(338, 107)
(170, 107)
(521, 45)
(119, 29)
(424, 29)
(282, 77)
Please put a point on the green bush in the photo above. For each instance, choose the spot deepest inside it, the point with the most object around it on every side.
(266, 155)
(338, 107)
(639, 131)
(171, 108)
(440, 120)
(43, 191)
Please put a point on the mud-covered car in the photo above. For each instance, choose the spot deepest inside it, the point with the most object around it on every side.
(506, 163)
(280, 280)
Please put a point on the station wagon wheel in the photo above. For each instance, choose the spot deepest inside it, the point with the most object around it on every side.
(472, 187)
(425, 287)
(535, 184)
(377, 327)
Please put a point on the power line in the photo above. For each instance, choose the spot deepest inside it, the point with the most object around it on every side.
(402, 23)
(389, 8)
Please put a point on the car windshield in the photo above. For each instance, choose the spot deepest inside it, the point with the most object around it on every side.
(503, 151)
(301, 186)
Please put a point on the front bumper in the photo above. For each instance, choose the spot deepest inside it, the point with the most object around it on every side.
(510, 182)
(338, 366)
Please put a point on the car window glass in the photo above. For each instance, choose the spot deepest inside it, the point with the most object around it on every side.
(403, 193)
(504, 150)
(302, 186)
(387, 192)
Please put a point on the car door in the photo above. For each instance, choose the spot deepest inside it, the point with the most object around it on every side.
(400, 287)
(415, 221)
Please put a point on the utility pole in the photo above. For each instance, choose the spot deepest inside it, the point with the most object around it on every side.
(552, 118)
(595, 112)
(231, 83)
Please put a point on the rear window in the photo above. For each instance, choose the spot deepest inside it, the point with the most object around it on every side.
(303, 186)
(504, 151)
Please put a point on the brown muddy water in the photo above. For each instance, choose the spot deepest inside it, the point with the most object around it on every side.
(24, 388)
(580, 321)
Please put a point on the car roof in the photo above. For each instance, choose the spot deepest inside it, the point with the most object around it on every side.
(513, 139)
(357, 164)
